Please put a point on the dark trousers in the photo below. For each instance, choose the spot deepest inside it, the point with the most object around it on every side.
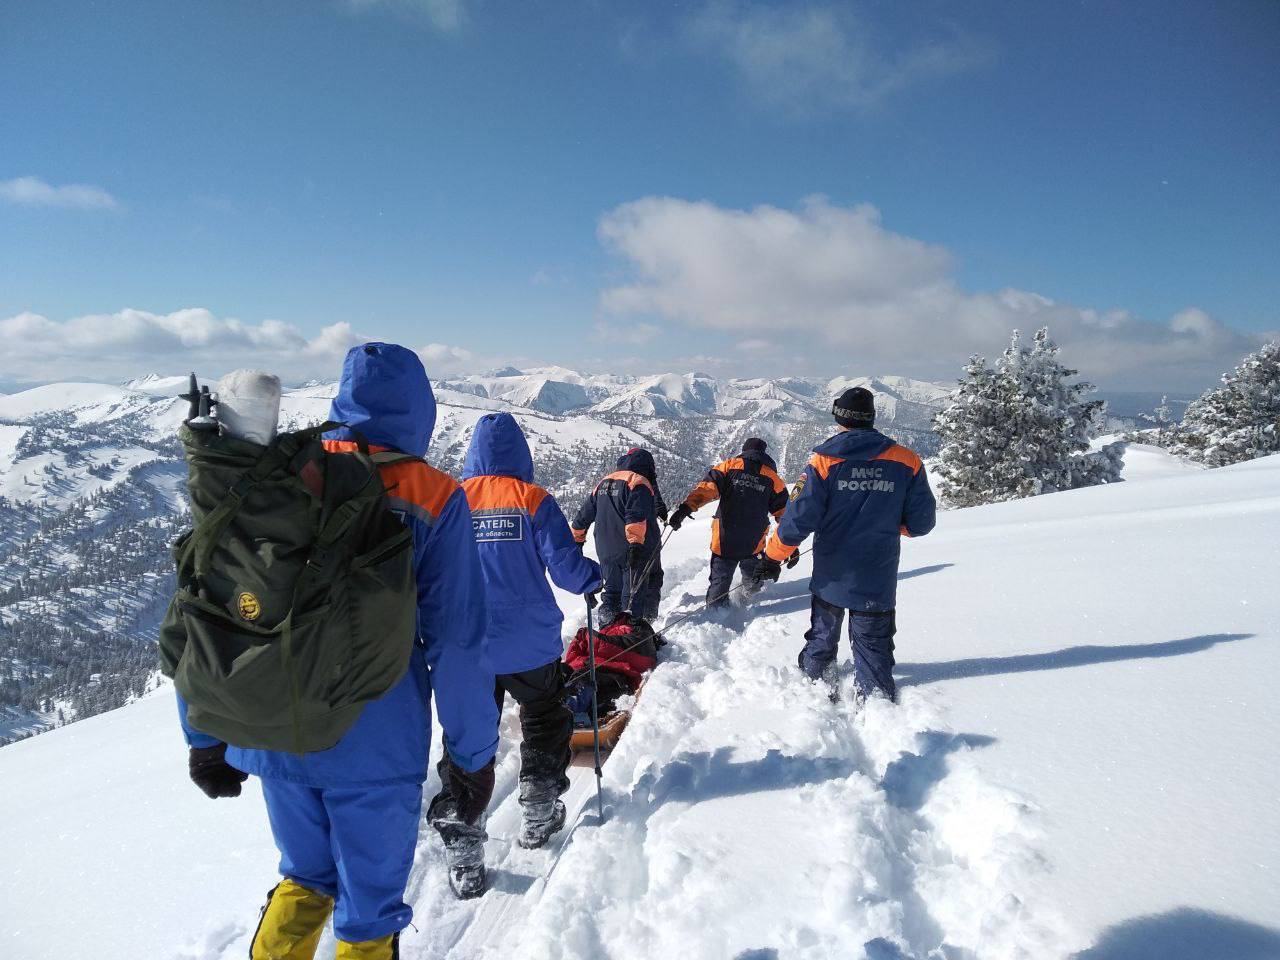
(721, 584)
(870, 635)
(618, 595)
(545, 727)
(545, 724)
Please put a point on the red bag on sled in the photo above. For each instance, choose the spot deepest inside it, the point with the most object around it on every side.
(626, 650)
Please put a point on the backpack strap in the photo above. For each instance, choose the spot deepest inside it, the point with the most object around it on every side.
(387, 457)
(336, 523)
(279, 455)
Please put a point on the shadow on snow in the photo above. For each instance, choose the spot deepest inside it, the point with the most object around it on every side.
(695, 777)
(908, 780)
(794, 597)
(914, 674)
(1185, 934)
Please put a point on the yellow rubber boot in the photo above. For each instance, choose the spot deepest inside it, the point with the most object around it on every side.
(291, 923)
(384, 948)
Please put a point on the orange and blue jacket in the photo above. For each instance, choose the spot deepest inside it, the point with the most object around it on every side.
(749, 490)
(623, 507)
(522, 537)
(860, 493)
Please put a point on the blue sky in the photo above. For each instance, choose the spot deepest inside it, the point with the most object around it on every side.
(746, 188)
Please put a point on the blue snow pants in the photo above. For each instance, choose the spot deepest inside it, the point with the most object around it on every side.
(617, 594)
(870, 635)
(354, 843)
(721, 583)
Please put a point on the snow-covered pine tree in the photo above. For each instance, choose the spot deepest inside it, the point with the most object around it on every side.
(1239, 420)
(976, 432)
(1021, 429)
(1163, 415)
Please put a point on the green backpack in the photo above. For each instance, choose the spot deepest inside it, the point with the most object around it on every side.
(296, 601)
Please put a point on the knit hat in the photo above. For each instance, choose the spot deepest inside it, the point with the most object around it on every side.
(856, 407)
(754, 445)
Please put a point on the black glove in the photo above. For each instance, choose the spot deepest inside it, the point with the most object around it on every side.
(593, 598)
(661, 511)
(211, 773)
(767, 569)
(637, 557)
(470, 791)
(793, 559)
(682, 514)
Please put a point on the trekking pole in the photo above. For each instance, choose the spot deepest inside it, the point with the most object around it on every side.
(644, 575)
(595, 709)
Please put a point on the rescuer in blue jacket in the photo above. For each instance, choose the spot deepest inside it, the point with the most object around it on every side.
(625, 507)
(346, 819)
(522, 536)
(859, 494)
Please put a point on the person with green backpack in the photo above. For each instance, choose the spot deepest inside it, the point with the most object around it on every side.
(330, 590)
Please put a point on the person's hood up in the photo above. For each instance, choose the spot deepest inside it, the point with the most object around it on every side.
(639, 460)
(759, 456)
(386, 396)
(498, 449)
(854, 445)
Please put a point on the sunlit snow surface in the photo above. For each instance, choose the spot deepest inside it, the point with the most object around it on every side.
(1084, 759)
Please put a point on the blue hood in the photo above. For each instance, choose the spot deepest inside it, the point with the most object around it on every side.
(855, 444)
(385, 394)
(498, 449)
(639, 460)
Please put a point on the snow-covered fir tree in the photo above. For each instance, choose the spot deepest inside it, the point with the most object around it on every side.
(1020, 429)
(973, 429)
(1163, 415)
(1239, 420)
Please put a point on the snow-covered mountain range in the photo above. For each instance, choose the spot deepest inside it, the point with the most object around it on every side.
(91, 492)
(557, 390)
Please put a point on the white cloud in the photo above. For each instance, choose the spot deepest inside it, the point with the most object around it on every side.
(34, 192)
(441, 358)
(445, 15)
(754, 346)
(633, 333)
(858, 295)
(807, 57)
(133, 342)
(334, 340)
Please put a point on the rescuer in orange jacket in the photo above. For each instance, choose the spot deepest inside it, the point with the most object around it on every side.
(748, 489)
(625, 507)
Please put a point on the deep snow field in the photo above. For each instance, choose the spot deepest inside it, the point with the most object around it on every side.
(1084, 763)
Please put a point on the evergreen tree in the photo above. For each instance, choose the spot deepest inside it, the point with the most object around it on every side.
(1239, 420)
(1021, 429)
(1163, 415)
(976, 434)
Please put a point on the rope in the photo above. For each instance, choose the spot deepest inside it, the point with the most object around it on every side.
(644, 576)
(671, 625)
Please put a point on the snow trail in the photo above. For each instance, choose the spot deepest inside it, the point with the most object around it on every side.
(909, 853)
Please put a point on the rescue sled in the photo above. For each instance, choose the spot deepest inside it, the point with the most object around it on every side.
(626, 650)
(611, 727)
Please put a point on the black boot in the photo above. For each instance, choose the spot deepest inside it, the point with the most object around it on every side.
(463, 847)
(543, 813)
